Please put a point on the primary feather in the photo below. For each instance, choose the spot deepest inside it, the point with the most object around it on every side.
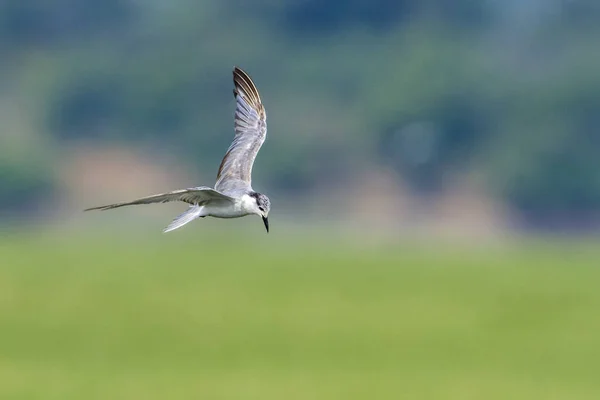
(193, 196)
(235, 170)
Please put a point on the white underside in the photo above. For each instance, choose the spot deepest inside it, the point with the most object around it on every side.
(224, 212)
(240, 208)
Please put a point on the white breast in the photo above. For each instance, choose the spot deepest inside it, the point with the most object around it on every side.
(244, 206)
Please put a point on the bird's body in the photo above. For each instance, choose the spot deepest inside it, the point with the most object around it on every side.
(239, 207)
(232, 196)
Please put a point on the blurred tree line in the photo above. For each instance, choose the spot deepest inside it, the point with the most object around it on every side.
(507, 91)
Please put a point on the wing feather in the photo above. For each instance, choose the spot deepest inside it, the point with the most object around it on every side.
(193, 196)
(250, 133)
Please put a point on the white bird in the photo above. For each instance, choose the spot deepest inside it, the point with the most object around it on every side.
(232, 196)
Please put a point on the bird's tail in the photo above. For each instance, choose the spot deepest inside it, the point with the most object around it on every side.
(188, 216)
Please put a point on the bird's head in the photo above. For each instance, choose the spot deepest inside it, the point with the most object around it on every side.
(263, 206)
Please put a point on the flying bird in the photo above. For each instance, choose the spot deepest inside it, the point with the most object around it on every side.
(232, 196)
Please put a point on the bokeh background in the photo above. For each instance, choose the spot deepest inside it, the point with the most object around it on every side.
(434, 169)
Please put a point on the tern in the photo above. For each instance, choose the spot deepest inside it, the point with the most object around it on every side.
(232, 196)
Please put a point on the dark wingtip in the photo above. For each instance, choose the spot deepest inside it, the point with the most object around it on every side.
(237, 71)
(243, 83)
(101, 208)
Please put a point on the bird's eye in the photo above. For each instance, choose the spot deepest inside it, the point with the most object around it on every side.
(261, 209)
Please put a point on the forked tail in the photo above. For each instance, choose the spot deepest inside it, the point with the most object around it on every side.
(191, 214)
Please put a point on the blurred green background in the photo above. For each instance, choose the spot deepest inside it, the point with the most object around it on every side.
(107, 316)
(434, 169)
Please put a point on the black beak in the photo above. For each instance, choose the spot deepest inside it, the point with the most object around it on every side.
(266, 221)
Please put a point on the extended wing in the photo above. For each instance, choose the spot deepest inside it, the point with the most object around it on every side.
(192, 196)
(235, 170)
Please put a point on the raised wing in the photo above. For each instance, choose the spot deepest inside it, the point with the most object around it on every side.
(192, 196)
(250, 133)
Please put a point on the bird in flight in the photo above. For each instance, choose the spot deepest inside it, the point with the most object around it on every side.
(232, 196)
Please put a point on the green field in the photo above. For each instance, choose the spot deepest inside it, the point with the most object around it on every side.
(180, 317)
